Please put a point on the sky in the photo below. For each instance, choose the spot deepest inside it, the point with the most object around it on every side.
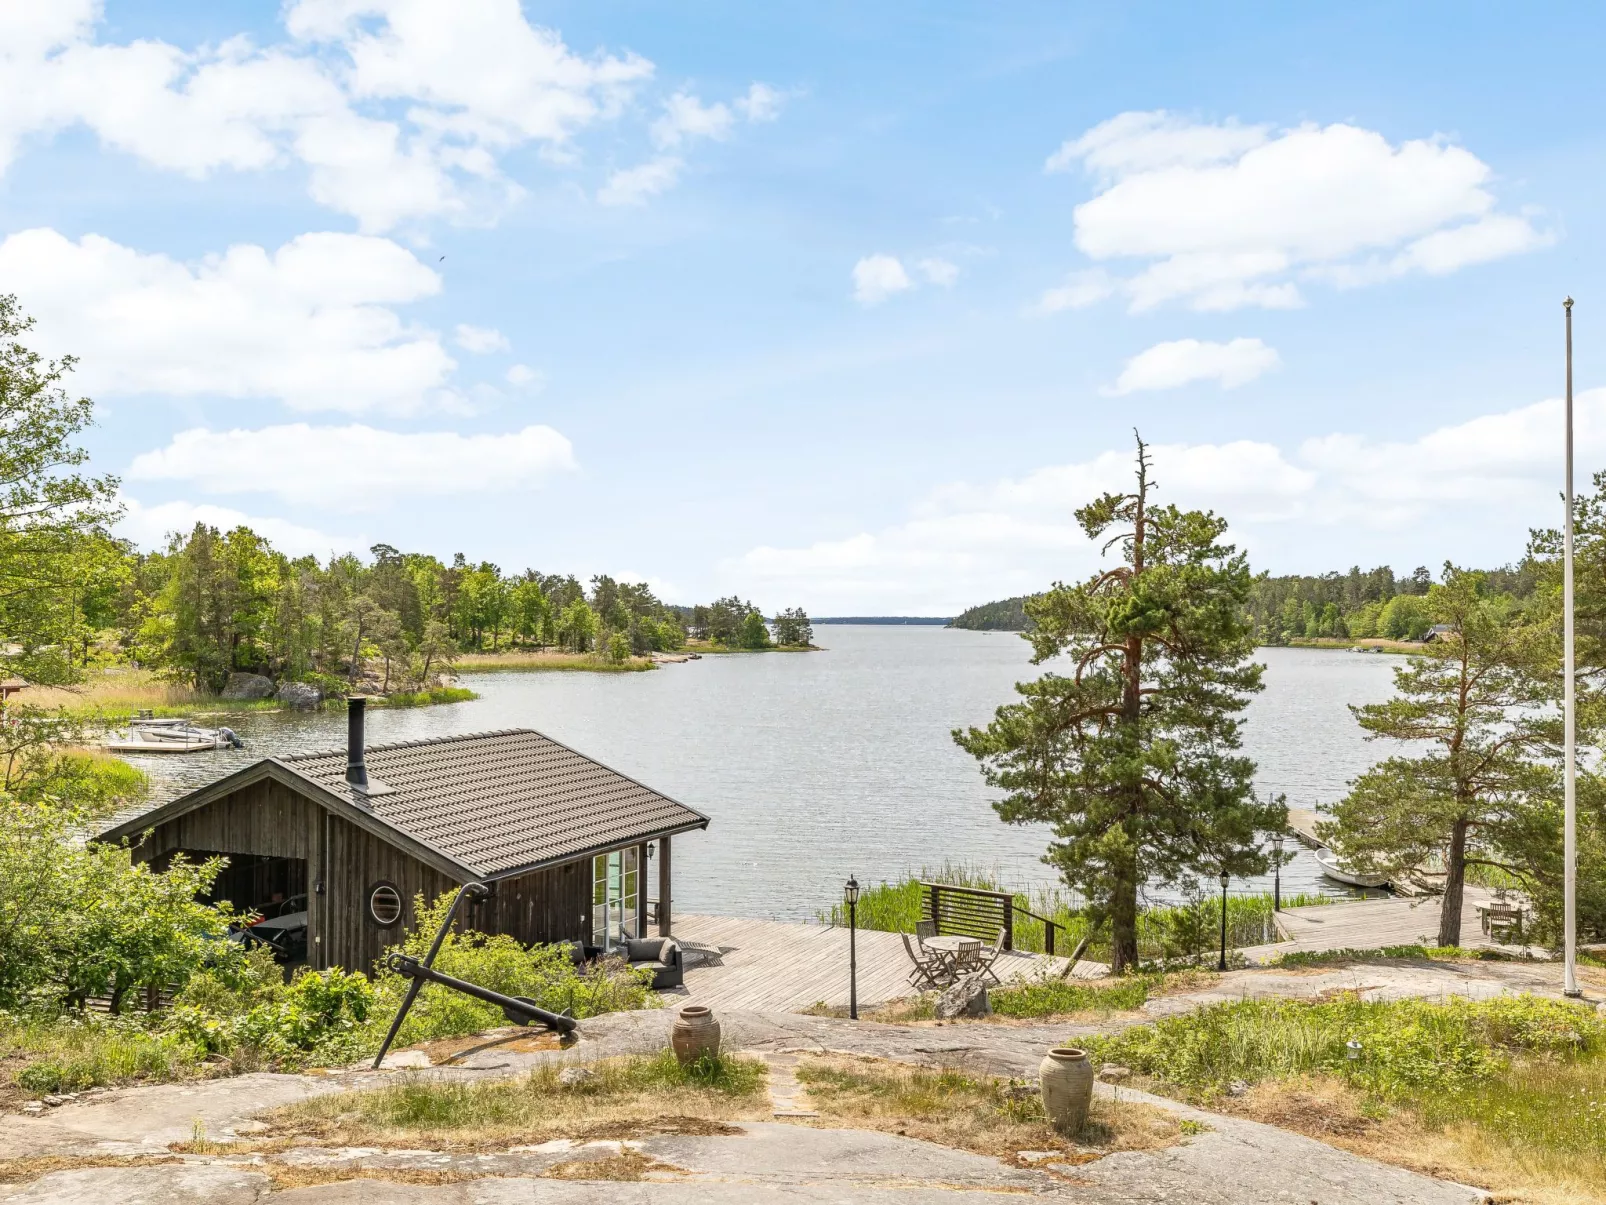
(825, 304)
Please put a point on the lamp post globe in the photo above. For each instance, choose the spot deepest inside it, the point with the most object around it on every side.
(850, 894)
(1221, 963)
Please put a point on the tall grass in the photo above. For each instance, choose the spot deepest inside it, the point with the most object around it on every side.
(70, 1054)
(525, 660)
(1165, 931)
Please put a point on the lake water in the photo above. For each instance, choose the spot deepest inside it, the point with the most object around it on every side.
(814, 766)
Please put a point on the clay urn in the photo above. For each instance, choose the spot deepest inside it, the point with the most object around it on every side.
(694, 1034)
(1066, 1079)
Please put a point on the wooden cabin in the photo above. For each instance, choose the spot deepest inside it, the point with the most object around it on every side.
(563, 841)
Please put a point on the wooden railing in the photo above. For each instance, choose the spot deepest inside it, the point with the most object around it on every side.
(973, 912)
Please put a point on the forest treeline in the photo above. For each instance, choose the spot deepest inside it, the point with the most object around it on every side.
(214, 603)
(1356, 605)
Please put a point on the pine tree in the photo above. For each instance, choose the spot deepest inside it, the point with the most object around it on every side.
(1481, 700)
(1132, 757)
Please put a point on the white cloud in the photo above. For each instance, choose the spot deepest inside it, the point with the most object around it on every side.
(355, 468)
(309, 323)
(397, 109)
(877, 277)
(636, 185)
(149, 527)
(1469, 491)
(685, 118)
(480, 340)
(523, 376)
(1229, 215)
(1080, 290)
(1182, 361)
(761, 103)
(939, 272)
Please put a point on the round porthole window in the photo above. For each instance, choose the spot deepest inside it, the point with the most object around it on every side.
(384, 905)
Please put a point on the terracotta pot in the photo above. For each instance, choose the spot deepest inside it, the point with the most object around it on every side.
(694, 1034)
(1066, 1079)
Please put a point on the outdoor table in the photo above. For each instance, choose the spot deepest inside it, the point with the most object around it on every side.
(954, 950)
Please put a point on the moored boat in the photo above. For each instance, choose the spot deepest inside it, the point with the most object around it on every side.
(149, 735)
(1333, 868)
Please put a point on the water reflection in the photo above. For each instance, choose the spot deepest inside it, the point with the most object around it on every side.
(815, 766)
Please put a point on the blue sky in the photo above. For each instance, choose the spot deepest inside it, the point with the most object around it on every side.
(837, 305)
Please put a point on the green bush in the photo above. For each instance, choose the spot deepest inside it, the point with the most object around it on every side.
(1051, 997)
(258, 1020)
(543, 973)
(78, 1051)
(1407, 1047)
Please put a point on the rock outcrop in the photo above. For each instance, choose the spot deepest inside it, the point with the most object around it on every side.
(248, 686)
(300, 695)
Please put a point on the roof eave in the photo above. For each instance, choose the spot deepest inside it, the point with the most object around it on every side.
(581, 855)
(272, 767)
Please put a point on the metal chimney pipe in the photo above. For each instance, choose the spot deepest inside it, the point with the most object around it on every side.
(356, 768)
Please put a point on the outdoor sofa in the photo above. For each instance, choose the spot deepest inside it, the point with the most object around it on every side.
(660, 955)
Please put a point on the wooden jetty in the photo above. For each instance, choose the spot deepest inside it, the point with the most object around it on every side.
(780, 966)
(1371, 925)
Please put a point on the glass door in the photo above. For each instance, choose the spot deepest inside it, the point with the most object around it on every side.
(614, 884)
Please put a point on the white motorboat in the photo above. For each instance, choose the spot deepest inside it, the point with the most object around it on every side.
(1335, 869)
(148, 735)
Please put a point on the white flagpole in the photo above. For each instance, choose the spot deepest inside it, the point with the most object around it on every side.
(1569, 708)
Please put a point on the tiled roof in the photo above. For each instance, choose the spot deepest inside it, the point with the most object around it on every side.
(500, 801)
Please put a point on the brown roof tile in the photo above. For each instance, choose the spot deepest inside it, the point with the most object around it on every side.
(501, 801)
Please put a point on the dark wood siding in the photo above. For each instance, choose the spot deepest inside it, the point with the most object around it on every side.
(269, 818)
(544, 905)
(358, 861)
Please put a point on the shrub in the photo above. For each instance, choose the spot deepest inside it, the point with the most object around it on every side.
(1406, 1046)
(78, 1051)
(543, 973)
(258, 1020)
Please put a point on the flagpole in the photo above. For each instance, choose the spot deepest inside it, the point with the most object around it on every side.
(1569, 708)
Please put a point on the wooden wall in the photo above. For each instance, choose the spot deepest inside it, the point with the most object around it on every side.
(270, 818)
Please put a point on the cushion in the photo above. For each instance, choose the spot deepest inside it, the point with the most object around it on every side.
(644, 949)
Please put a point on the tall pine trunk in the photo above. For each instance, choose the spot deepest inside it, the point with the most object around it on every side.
(1455, 878)
(1124, 923)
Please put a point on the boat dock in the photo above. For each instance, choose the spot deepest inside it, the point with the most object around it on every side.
(1302, 824)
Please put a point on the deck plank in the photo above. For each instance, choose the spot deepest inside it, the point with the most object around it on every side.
(785, 966)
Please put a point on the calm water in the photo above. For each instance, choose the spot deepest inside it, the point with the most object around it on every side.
(814, 766)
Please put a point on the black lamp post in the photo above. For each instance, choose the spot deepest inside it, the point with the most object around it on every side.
(1221, 964)
(1277, 871)
(850, 894)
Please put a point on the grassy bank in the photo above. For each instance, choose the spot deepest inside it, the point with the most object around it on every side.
(1165, 932)
(114, 696)
(526, 660)
(1508, 1094)
(1370, 644)
(709, 647)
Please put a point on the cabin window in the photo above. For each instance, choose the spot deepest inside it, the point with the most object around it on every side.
(614, 883)
(384, 905)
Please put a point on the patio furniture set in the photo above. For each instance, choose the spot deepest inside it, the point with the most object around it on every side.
(941, 961)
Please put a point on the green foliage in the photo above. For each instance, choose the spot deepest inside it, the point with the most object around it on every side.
(251, 1016)
(1408, 1047)
(792, 628)
(1317, 958)
(896, 907)
(59, 567)
(97, 785)
(754, 632)
(1132, 760)
(543, 973)
(82, 919)
(1053, 997)
(85, 1050)
(429, 697)
(1005, 615)
(1479, 702)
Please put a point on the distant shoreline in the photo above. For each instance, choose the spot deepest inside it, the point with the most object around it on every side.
(927, 621)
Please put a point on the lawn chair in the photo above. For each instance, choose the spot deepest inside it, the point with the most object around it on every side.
(925, 976)
(986, 956)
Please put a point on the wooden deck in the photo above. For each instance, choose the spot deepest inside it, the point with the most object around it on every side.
(778, 966)
(1372, 924)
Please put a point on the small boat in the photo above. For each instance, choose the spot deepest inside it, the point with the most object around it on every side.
(1334, 869)
(148, 735)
